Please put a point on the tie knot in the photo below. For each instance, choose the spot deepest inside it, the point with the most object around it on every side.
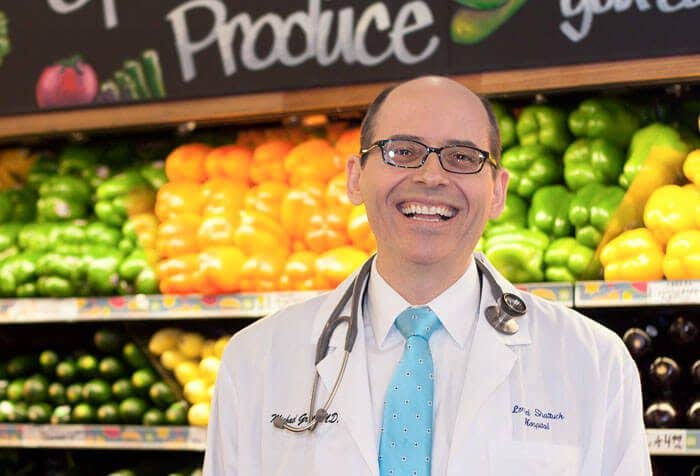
(417, 321)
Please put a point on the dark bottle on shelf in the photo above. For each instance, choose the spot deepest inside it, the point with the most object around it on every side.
(662, 414)
(695, 373)
(684, 337)
(693, 414)
(664, 375)
(638, 342)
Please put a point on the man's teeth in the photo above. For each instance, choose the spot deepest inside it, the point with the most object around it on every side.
(415, 209)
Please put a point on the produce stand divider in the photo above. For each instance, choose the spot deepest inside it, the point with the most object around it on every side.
(251, 107)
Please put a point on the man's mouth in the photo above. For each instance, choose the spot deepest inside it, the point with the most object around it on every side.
(425, 212)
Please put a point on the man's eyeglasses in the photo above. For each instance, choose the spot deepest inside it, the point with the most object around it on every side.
(411, 154)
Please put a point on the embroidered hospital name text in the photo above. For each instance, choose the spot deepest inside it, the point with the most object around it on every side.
(529, 414)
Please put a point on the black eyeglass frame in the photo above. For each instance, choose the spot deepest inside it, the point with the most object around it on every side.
(484, 155)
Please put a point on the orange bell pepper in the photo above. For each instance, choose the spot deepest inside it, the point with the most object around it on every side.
(223, 197)
(268, 162)
(262, 273)
(186, 163)
(178, 236)
(300, 273)
(327, 230)
(348, 143)
(359, 231)
(312, 161)
(250, 138)
(258, 234)
(177, 198)
(217, 230)
(181, 275)
(222, 266)
(337, 192)
(229, 161)
(297, 207)
(337, 264)
(267, 198)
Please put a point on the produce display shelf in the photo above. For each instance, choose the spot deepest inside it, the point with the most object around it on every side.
(641, 293)
(172, 438)
(560, 292)
(674, 441)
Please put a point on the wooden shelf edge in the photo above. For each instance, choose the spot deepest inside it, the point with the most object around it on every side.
(251, 107)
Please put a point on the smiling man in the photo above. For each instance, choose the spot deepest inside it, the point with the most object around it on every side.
(436, 375)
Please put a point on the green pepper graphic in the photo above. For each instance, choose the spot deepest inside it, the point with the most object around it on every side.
(480, 18)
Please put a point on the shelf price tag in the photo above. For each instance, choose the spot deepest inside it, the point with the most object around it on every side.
(28, 310)
(668, 441)
(673, 292)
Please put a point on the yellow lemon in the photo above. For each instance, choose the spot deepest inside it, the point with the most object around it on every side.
(220, 345)
(190, 344)
(171, 359)
(208, 368)
(164, 339)
(196, 391)
(208, 349)
(186, 372)
(198, 414)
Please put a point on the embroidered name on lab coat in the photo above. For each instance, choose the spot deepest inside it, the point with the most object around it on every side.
(537, 418)
(303, 418)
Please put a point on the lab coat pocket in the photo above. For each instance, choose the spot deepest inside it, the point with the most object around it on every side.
(533, 459)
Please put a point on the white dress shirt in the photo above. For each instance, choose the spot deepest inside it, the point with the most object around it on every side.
(457, 308)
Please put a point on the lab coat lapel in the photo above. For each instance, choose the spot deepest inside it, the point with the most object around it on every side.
(352, 401)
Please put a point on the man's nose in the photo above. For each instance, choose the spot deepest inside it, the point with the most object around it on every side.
(431, 173)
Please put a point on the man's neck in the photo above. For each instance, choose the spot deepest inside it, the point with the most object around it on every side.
(419, 284)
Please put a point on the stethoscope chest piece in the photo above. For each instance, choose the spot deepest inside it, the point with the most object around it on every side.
(502, 315)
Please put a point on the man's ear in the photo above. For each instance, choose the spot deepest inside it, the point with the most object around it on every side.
(499, 193)
(353, 171)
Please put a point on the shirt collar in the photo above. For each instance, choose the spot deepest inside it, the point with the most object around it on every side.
(456, 307)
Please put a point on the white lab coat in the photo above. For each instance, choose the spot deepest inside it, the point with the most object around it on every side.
(560, 397)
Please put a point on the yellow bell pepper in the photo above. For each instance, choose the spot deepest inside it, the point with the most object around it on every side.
(258, 234)
(176, 198)
(327, 230)
(297, 208)
(217, 230)
(691, 166)
(178, 236)
(262, 273)
(634, 255)
(312, 161)
(337, 192)
(337, 264)
(669, 210)
(359, 231)
(223, 197)
(300, 273)
(682, 260)
(267, 198)
(222, 267)
(181, 275)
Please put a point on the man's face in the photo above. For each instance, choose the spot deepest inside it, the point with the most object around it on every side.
(428, 215)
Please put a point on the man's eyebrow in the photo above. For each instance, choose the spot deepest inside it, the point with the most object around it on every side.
(422, 140)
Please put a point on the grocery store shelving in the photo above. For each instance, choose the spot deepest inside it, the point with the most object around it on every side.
(639, 293)
(560, 292)
(173, 438)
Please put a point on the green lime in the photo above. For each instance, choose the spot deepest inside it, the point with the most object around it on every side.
(111, 368)
(35, 389)
(122, 389)
(57, 393)
(108, 413)
(4, 383)
(142, 380)
(153, 417)
(39, 413)
(19, 414)
(134, 357)
(176, 414)
(87, 366)
(97, 391)
(83, 413)
(66, 371)
(122, 472)
(162, 395)
(15, 390)
(61, 415)
(74, 393)
(48, 360)
(131, 410)
(21, 365)
(197, 472)
(108, 341)
(7, 408)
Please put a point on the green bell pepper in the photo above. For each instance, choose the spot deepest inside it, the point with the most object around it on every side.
(566, 259)
(604, 118)
(146, 282)
(123, 195)
(506, 125)
(103, 270)
(69, 188)
(26, 290)
(17, 270)
(482, 17)
(549, 211)
(154, 173)
(518, 254)
(543, 125)
(41, 171)
(101, 234)
(591, 210)
(592, 161)
(63, 264)
(85, 163)
(53, 209)
(63, 198)
(656, 134)
(530, 167)
(8, 234)
(54, 286)
(133, 264)
(35, 237)
(514, 216)
(67, 234)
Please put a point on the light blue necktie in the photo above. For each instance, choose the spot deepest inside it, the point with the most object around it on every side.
(406, 440)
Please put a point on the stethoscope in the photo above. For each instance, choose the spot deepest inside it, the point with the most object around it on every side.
(501, 316)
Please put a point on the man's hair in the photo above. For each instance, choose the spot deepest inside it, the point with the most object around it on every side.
(369, 121)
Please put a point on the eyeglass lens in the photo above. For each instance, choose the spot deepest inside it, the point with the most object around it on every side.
(459, 159)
